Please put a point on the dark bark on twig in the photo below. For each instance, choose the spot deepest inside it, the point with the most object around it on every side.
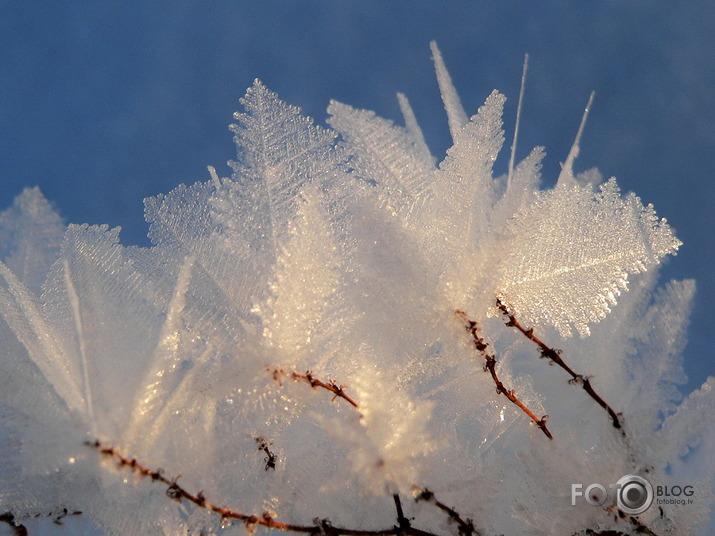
(555, 357)
(332, 386)
(17, 528)
(465, 527)
(270, 458)
(323, 526)
(178, 493)
(402, 521)
(490, 366)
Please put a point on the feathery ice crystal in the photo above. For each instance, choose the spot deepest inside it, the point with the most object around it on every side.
(418, 296)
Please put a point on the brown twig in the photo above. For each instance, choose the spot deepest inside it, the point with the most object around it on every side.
(177, 492)
(20, 530)
(472, 327)
(465, 527)
(555, 357)
(57, 517)
(332, 386)
(590, 532)
(17, 528)
(639, 527)
(270, 458)
(402, 521)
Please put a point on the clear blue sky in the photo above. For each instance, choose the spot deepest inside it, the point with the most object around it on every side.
(105, 103)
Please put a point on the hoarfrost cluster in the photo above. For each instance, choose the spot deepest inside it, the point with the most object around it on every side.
(411, 293)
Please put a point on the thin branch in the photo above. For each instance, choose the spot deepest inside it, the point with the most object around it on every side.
(490, 366)
(332, 386)
(17, 528)
(402, 521)
(590, 532)
(57, 517)
(639, 527)
(177, 492)
(466, 527)
(555, 357)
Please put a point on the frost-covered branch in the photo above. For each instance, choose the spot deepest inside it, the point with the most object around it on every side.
(18, 529)
(473, 328)
(332, 385)
(555, 357)
(466, 526)
(340, 247)
(179, 493)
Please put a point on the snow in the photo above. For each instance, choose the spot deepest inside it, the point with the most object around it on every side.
(343, 255)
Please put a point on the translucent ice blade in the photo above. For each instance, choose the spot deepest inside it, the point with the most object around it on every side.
(413, 128)
(94, 299)
(455, 112)
(23, 313)
(387, 156)
(567, 176)
(163, 370)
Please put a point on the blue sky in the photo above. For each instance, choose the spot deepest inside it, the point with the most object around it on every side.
(103, 104)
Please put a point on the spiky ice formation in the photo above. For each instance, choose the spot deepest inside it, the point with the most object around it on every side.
(331, 265)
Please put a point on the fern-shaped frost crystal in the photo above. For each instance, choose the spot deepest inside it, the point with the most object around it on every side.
(569, 254)
(311, 343)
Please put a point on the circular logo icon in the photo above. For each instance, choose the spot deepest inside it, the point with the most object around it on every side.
(634, 494)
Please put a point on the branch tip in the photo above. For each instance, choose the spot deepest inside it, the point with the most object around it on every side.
(554, 357)
(338, 390)
(490, 366)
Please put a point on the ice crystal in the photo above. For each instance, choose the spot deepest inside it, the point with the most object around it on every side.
(344, 264)
(571, 252)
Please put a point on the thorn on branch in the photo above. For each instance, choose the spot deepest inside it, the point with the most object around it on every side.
(578, 379)
(323, 526)
(423, 495)
(311, 380)
(57, 517)
(174, 492)
(18, 529)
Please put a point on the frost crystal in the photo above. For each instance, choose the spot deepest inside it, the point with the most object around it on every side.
(570, 253)
(348, 264)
